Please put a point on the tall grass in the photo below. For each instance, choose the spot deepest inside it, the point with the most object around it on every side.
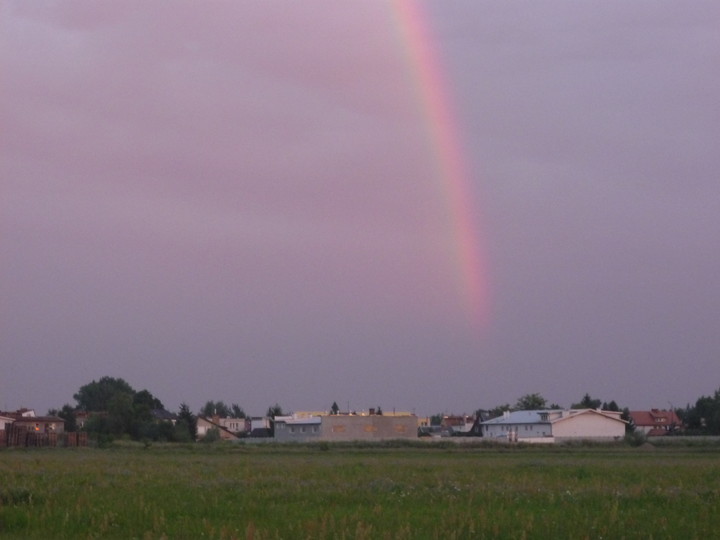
(342, 491)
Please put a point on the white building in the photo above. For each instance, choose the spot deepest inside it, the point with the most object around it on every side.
(555, 426)
(5, 422)
(297, 428)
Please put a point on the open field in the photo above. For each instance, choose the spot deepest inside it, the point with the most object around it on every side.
(341, 491)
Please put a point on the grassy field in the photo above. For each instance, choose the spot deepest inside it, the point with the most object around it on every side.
(341, 491)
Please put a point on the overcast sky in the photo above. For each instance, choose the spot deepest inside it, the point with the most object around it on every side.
(242, 201)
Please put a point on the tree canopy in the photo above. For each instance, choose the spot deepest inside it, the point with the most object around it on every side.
(274, 410)
(215, 408)
(530, 402)
(221, 409)
(498, 410)
(587, 403)
(96, 395)
(704, 416)
(121, 410)
(237, 411)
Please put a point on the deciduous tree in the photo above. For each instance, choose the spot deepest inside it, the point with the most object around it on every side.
(530, 402)
(96, 395)
(121, 410)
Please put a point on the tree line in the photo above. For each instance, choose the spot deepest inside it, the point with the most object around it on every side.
(702, 418)
(534, 402)
(115, 409)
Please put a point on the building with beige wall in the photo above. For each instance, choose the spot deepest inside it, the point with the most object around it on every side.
(345, 427)
(370, 427)
(205, 425)
(555, 425)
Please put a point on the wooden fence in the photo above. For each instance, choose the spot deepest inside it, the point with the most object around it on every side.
(23, 437)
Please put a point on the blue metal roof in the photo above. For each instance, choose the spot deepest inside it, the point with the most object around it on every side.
(519, 417)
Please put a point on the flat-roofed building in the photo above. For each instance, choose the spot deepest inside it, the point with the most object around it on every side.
(346, 427)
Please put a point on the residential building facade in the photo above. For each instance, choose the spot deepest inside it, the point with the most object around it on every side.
(204, 425)
(299, 429)
(555, 425)
(656, 422)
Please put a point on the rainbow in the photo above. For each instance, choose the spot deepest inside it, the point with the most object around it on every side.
(435, 103)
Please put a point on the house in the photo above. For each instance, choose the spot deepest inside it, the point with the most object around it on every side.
(24, 428)
(457, 425)
(204, 425)
(5, 426)
(24, 413)
(41, 424)
(26, 420)
(299, 428)
(555, 425)
(261, 426)
(656, 422)
(5, 422)
(161, 415)
(238, 426)
(20, 413)
(81, 418)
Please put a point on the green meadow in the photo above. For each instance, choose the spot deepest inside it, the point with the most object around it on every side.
(389, 491)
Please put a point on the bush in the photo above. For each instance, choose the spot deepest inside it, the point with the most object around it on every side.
(636, 438)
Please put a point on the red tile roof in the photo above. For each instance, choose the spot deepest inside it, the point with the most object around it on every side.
(655, 418)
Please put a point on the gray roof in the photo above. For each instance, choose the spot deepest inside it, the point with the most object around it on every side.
(520, 417)
(306, 420)
(551, 416)
(162, 414)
